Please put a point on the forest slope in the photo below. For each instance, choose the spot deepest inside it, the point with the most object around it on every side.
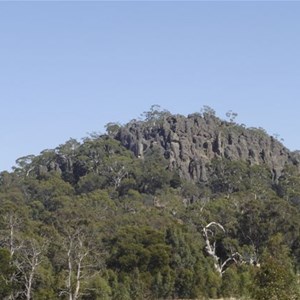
(162, 208)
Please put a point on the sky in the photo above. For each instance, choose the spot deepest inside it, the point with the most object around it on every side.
(69, 68)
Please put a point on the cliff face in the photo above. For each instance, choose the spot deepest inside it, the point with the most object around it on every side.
(190, 143)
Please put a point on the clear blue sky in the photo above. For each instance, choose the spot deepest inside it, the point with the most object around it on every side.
(68, 68)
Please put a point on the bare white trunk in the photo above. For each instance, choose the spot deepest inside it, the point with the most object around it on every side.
(11, 237)
(211, 248)
(77, 287)
(13, 245)
(70, 270)
(76, 254)
(82, 253)
(30, 259)
(29, 283)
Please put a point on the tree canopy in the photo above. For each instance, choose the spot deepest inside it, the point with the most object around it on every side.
(89, 220)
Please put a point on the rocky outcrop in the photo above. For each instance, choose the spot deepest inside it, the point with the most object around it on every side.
(190, 143)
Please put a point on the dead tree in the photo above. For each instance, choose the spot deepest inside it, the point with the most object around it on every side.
(11, 239)
(78, 253)
(29, 258)
(209, 232)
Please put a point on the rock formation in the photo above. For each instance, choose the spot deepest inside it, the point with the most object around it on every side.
(190, 143)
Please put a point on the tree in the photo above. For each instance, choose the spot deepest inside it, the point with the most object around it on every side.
(76, 256)
(6, 271)
(69, 148)
(154, 115)
(153, 172)
(12, 222)
(24, 165)
(27, 261)
(207, 111)
(231, 116)
(288, 186)
(210, 240)
(81, 254)
(139, 253)
(228, 176)
(276, 280)
(112, 128)
(96, 288)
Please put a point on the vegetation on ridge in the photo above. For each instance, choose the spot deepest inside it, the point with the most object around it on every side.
(92, 220)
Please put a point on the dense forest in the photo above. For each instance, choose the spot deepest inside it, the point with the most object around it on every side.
(132, 214)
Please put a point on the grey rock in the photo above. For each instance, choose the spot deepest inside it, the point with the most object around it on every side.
(190, 143)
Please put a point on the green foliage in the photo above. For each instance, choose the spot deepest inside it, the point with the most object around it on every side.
(276, 279)
(112, 128)
(237, 281)
(288, 186)
(231, 115)
(155, 115)
(228, 176)
(69, 148)
(6, 270)
(133, 229)
(230, 283)
(138, 247)
(207, 111)
(154, 174)
(97, 288)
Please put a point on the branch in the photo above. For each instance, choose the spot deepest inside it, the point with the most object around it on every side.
(215, 224)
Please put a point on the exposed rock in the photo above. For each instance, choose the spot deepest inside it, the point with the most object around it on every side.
(190, 143)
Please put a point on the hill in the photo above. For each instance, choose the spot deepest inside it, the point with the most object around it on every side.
(160, 208)
(191, 143)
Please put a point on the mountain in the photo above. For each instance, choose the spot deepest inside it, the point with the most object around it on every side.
(191, 143)
(165, 207)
